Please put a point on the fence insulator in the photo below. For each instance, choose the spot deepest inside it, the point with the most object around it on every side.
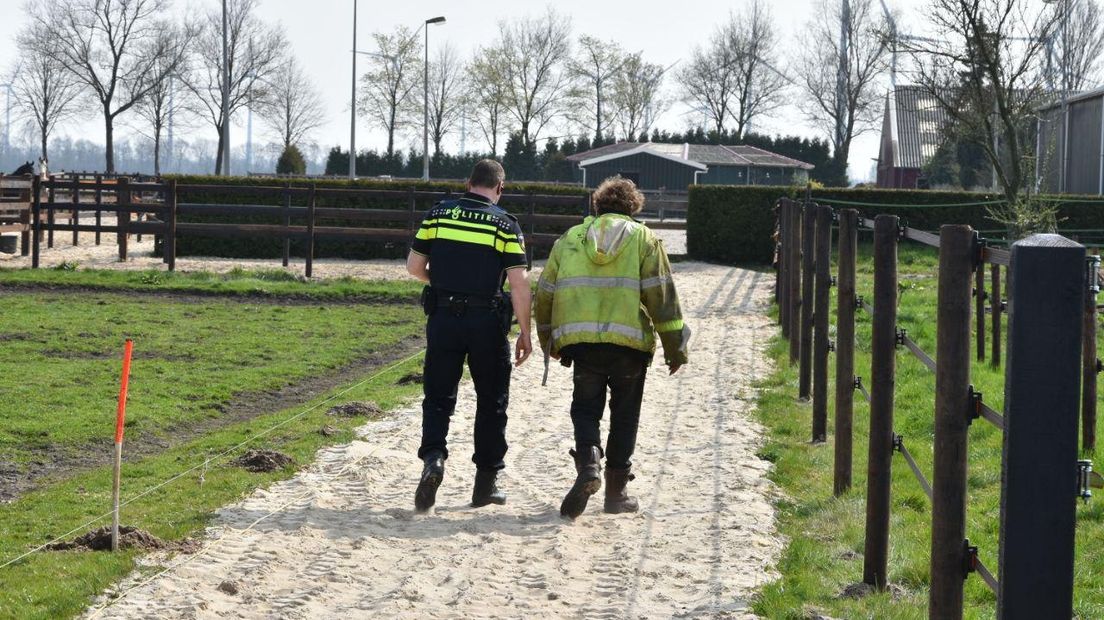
(976, 399)
(900, 337)
(1084, 480)
(969, 559)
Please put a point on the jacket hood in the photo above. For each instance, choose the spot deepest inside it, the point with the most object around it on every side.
(607, 236)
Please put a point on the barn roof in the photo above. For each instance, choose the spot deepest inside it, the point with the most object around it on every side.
(917, 122)
(696, 155)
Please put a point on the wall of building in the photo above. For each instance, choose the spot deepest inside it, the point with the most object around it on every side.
(1082, 159)
(651, 172)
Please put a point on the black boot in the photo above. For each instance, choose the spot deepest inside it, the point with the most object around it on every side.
(617, 501)
(587, 482)
(485, 490)
(432, 475)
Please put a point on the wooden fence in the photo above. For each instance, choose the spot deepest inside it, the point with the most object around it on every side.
(1052, 301)
(153, 208)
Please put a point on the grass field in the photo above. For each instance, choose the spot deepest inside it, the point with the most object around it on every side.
(218, 359)
(824, 553)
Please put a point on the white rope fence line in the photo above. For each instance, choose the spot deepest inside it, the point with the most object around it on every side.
(208, 460)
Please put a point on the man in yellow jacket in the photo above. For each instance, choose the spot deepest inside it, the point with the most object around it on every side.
(604, 294)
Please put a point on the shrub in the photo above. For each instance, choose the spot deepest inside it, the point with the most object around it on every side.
(291, 161)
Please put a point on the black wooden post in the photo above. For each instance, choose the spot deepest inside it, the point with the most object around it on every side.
(75, 198)
(845, 348)
(36, 217)
(122, 216)
(808, 237)
(310, 231)
(170, 226)
(820, 322)
(784, 266)
(50, 196)
(996, 304)
(795, 282)
(979, 309)
(1089, 363)
(99, 201)
(1038, 510)
(25, 220)
(287, 223)
(883, 365)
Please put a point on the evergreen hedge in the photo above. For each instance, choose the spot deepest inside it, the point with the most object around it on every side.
(734, 224)
(195, 245)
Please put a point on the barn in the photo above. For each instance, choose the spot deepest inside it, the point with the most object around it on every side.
(658, 166)
(1074, 166)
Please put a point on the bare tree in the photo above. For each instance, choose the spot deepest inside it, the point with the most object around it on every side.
(389, 86)
(986, 72)
(854, 108)
(1078, 45)
(445, 106)
(533, 53)
(708, 80)
(636, 96)
(292, 107)
(156, 107)
(42, 85)
(759, 84)
(255, 51)
(594, 68)
(486, 98)
(111, 46)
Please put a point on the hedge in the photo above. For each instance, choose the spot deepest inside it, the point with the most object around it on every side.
(734, 224)
(196, 245)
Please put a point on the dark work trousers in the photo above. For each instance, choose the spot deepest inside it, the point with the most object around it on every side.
(478, 337)
(622, 370)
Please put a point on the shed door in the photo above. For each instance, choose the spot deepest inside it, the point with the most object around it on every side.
(632, 176)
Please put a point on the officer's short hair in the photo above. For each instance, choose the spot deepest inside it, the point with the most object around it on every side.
(618, 195)
(487, 173)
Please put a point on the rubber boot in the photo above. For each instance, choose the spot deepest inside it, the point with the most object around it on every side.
(617, 501)
(432, 475)
(485, 490)
(588, 464)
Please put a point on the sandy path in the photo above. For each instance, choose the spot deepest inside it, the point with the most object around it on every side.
(341, 539)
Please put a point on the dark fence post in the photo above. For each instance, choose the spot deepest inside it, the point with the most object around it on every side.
(99, 201)
(795, 282)
(979, 312)
(883, 365)
(784, 266)
(75, 198)
(310, 232)
(287, 223)
(820, 322)
(36, 218)
(170, 228)
(122, 217)
(50, 196)
(1038, 510)
(845, 348)
(957, 252)
(25, 220)
(1090, 362)
(808, 236)
(996, 303)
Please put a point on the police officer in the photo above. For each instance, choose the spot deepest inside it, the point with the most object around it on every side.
(466, 249)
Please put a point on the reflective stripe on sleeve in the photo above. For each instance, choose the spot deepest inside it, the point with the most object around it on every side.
(669, 326)
(544, 328)
(654, 282)
(546, 286)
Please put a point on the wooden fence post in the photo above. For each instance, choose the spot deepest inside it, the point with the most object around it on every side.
(1090, 363)
(36, 217)
(779, 230)
(287, 223)
(1038, 471)
(25, 220)
(808, 237)
(50, 196)
(310, 231)
(75, 220)
(795, 282)
(883, 362)
(957, 252)
(996, 303)
(784, 267)
(845, 348)
(820, 322)
(169, 247)
(99, 201)
(122, 218)
(979, 309)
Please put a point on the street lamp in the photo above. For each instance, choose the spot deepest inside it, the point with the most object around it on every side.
(425, 102)
(352, 98)
(225, 93)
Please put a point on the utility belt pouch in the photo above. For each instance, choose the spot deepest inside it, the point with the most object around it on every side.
(505, 308)
(429, 300)
(457, 305)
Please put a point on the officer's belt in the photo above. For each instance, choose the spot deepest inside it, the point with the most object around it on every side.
(472, 301)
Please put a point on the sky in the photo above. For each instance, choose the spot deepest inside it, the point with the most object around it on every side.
(320, 34)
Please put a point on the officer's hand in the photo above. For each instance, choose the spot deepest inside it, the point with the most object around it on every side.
(523, 349)
(674, 368)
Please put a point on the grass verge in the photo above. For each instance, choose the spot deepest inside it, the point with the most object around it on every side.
(826, 534)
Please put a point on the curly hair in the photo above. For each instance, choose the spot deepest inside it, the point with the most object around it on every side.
(618, 195)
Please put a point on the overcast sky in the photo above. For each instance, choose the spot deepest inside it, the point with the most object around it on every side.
(320, 32)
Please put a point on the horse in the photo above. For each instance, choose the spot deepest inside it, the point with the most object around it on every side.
(26, 168)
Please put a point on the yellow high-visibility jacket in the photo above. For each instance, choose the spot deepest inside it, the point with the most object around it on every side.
(608, 280)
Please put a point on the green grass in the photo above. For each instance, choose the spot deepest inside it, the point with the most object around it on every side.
(194, 355)
(826, 534)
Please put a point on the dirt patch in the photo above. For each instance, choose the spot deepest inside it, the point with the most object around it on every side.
(863, 590)
(100, 540)
(259, 461)
(327, 431)
(414, 377)
(107, 355)
(356, 409)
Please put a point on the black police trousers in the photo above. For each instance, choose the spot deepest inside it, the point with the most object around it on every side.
(478, 337)
(622, 370)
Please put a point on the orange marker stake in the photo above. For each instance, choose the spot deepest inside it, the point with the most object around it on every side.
(120, 422)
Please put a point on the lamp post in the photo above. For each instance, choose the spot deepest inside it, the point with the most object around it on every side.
(425, 101)
(225, 93)
(352, 103)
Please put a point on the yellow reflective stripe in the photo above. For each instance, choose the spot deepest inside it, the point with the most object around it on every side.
(425, 234)
(477, 238)
(669, 326)
(475, 225)
(512, 248)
